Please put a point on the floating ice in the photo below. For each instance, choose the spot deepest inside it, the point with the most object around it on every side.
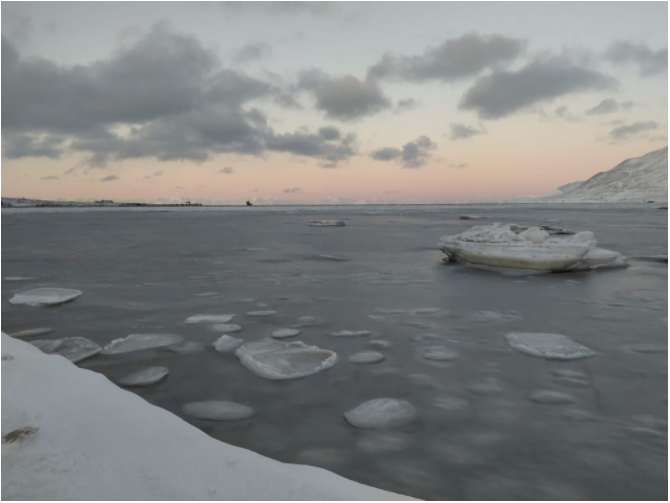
(283, 333)
(227, 327)
(549, 346)
(649, 348)
(438, 354)
(140, 342)
(210, 318)
(187, 347)
(551, 397)
(144, 377)
(74, 349)
(380, 343)
(495, 316)
(226, 344)
(261, 313)
(18, 278)
(367, 357)
(215, 410)
(351, 333)
(326, 223)
(45, 297)
(470, 217)
(284, 360)
(508, 246)
(571, 382)
(332, 258)
(381, 413)
(32, 331)
(305, 321)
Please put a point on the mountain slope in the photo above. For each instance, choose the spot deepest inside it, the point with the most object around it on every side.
(634, 180)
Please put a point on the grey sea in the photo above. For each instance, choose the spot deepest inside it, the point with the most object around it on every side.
(484, 430)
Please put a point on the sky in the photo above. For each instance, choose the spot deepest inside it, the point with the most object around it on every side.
(326, 102)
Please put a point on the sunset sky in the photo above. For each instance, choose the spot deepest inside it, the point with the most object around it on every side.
(313, 102)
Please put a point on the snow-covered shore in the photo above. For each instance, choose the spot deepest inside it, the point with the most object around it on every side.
(69, 433)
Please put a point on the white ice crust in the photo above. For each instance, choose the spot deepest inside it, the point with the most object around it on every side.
(140, 342)
(381, 413)
(45, 297)
(226, 344)
(210, 318)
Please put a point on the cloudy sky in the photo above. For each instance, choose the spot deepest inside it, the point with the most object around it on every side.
(310, 102)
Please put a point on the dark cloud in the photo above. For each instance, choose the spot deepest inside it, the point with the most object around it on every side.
(414, 154)
(17, 146)
(343, 98)
(49, 178)
(504, 93)
(109, 178)
(624, 132)
(252, 52)
(227, 170)
(171, 94)
(606, 106)
(293, 190)
(463, 131)
(16, 25)
(406, 104)
(454, 59)
(647, 61)
(329, 133)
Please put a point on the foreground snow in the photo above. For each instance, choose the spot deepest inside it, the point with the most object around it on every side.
(70, 433)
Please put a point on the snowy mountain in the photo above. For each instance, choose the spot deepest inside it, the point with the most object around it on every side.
(639, 179)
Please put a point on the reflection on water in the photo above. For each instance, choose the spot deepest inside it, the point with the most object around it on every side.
(488, 427)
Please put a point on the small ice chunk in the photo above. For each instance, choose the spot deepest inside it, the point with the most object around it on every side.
(438, 354)
(380, 343)
(381, 413)
(470, 217)
(549, 346)
(144, 377)
(495, 316)
(261, 313)
(327, 223)
(226, 344)
(571, 382)
(18, 278)
(551, 397)
(218, 410)
(284, 360)
(332, 258)
(210, 318)
(140, 342)
(227, 327)
(305, 321)
(32, 331)
(649, 348)
(367, 357)
(351, 333)
(74, 349)
(283, 333)
(599, 257)
(45, 297)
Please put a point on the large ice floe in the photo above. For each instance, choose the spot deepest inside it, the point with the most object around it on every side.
(88, 439)
(549, 346)
(511, 246)
(45, 297)
(381, 413)
(74, 349)
(140, 342)
(284, 360)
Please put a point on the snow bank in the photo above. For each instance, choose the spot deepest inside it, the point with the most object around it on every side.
(70, 434)
(515, 247)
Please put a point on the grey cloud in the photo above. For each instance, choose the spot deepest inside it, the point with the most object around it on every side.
(564, 113)
(625, 132)
(283, 8)
(504, 93)
(406, 104)
(49, 178)
(329, 133)
(463, 131)
(17, 146)
(455, 59)
(227, 170)
(606, 106)
(414, 154)
(293, 190)
(252, 52)
(109, 178)
(17, 25)
(648, 61)
(330, 151)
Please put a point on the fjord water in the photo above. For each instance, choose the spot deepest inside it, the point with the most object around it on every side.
(478, 435)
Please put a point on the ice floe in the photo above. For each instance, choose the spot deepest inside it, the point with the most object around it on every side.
(31, 332)
(209, 318)
(284, 360)
(226, 344)
(305, 321)
(381, 413)
(144, 377)
(261, 313)
(18, 278)
(326, 223)
(218, 410)
(380, 343)
(367, 357)
(45, 296)
(283, 333)
(332, 258)
(351, 333)
(471, 217)
(227, 327)
(140, 342)
(549, 346)
(495, 316)
(74, 349)
(551, 397)
(508, 246)
(438, 354)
